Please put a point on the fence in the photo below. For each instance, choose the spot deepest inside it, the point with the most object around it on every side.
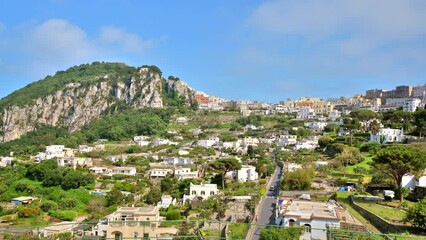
(182, 229)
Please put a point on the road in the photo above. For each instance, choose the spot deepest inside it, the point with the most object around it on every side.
(266, 214)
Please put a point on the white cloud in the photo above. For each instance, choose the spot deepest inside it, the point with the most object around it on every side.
(57, 39)
(57, 44)
(127, 41)
(390, 18)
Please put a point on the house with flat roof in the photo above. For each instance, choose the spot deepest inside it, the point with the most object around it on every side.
(315, 217)
(202, 191)
(133, 223)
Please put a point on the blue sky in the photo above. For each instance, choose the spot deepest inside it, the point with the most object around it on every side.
(239, 49)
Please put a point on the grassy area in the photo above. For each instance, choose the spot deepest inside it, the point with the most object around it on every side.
(343, 197)
(388, 213)
(238, 230)
(364, 164)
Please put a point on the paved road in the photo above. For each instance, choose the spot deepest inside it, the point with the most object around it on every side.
(267, 207)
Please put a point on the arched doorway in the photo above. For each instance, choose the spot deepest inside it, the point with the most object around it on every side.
(117, 235)
(291, 223)
(307, 228)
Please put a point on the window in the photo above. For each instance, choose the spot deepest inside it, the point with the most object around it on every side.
(291, 223)
(135, 235)
(145, 235)
(203, 193)
(211, 193)
(194, 193)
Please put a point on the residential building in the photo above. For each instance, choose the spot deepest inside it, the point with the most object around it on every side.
(211, 141)
(250, 141)
(286, 140)
(411, 181)
(184, 173)
(99, 170)
(202, 191)
(246, 173)
(6, 161)
(130, 171)
(386, 135)
(334, 114)
(23, 200)
(305, 113)
(290, 167)
(181, 120)
(133, 223)
(141, 140)
(74, 162)
(159, 141)
(314, 217)
(166, 201)
(411, 105)
(178, 161)
(306, 144)
(160, 173)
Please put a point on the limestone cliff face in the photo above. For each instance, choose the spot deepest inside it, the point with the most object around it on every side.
(183, 89)
(76, 106)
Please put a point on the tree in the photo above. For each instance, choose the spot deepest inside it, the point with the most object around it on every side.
(324, 141)
(274, 233)
(114, 197)
(154, 196)
(351, 125)
(365, 116)
(299, 179)
(225, 165)
(417, 214)
(396, 161)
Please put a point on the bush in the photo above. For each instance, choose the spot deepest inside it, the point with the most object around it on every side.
(172, 215)
(28, 211)
(48, 205)
(299, 179)
(65, 215)
(68, 203)
(371, 147)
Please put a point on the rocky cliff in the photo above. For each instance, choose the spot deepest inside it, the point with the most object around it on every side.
(77, 104)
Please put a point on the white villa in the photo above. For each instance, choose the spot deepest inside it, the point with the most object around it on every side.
(246, 173)
(203, 191)
(185, 173)
(286, 140)
(74, 162)
(177, 161)
(166, 201)
(386, 135)
(130, 171)
(211, 141)
(160, 173)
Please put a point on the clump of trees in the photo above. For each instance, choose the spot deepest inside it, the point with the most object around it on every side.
(280, 233)
(396, 161)
(299, 179)
(417, 214)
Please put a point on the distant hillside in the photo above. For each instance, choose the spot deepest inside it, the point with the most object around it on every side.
(73, 98)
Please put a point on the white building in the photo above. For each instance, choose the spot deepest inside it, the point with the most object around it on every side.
(99, 170)
(160, 173)
(130, 171)
(410, 181)
(246, 173)
(314, 217)
(386, 135)
(74, 162)
(181, 120)
(84, 149)
(306, 144)
(53, 151)
(178, 161)
(141, 140)
(290, 167)
(6, 161)
(250, 141)
(203, 191)
(286, 140)
(211, 141)
(411, 105)
(334, 114)
(305, 113)
(159, 141)
(166, 201)
(185, 173)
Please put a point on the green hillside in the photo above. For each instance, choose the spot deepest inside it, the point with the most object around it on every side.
(85, 74)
